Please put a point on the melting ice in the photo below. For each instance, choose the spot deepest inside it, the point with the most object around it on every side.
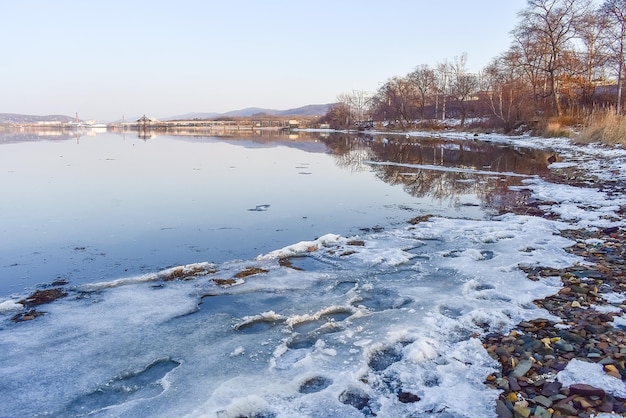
(382, 324)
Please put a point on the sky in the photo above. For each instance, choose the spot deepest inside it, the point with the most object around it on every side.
(125, 58)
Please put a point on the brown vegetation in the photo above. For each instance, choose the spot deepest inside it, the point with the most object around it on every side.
(607, 128)
(564, 66)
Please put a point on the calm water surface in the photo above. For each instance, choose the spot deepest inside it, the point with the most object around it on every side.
(91, 208)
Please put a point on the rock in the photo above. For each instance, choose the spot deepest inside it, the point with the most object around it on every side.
(249, 272)
(356, 242)
(595, 329)
(356, 398)
(542, 400)
(563, 346)
(586, 390)
(551, 389)
(26, 316)
(541, 412)
(502, 411)
(611, 370)
(513, 384)
(41, 297)
(566, 409)
(521, 411)
(521, 369)
(408, 397)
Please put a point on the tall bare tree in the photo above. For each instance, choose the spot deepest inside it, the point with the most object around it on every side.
(552, 23)
(615, 11)
(396, 101)
(526, 55)
(508, 94)
(463, 85)
(443, 72)
(424, 80)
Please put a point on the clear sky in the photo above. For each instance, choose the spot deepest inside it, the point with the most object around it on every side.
(106, 59)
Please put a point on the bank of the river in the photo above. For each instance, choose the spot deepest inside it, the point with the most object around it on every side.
(534, 352)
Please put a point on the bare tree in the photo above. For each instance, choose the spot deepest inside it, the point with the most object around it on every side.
(442, 86)
(552, 23)
(339, 116)
(463, 85)
(615, 11)
(424, 80)
(359, 102)
(508, 94)
(395, 100)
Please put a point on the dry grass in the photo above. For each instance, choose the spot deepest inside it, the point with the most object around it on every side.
(554, 128)
(607, 128)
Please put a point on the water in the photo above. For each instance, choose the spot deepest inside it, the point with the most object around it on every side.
(105, 206)
(303, 291)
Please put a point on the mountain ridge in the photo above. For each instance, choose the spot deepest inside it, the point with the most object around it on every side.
(308, 110)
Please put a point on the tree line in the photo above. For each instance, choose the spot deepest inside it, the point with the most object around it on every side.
(565, 62)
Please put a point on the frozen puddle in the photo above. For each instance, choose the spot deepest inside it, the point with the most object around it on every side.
(382, 324)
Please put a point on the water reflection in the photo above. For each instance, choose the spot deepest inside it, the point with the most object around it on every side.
(13, 135)
(444, 169)
(437, 168)
(101, 207)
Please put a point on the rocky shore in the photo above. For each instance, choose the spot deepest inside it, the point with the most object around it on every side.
(534, 352)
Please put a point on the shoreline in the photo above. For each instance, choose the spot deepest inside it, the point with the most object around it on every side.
(532, 353)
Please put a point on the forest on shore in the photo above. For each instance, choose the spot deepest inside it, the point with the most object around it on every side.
(561, 76)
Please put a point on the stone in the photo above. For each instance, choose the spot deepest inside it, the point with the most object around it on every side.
(566, 409)
(408, 397)
(521, 411)
(586, 390)
(502, 411)
(541, 412)
(41, 297)
(250, 271)
(612, 371)
(551, 389)
(542, 400)
(563, 346)
(595, 329)
(522, 368)
(513, 384)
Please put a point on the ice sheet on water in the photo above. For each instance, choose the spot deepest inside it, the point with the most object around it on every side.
(387, 327)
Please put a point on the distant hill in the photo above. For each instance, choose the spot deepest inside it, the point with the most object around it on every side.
(18, 118)
(309, 110)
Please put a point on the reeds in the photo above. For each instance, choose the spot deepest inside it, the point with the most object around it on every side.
(607, 128)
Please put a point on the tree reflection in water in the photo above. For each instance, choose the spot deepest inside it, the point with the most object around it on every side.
(444, 168)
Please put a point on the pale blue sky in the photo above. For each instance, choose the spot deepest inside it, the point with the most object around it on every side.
(105, 59)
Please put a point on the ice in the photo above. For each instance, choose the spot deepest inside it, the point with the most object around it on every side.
(583, 206)
(10, 306)
(401, 311)
(578, 371)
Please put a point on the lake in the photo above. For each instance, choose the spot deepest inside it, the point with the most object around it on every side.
(100, 207)
(305, 274)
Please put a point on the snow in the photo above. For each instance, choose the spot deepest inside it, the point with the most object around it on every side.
(578, 371)
(10, 306)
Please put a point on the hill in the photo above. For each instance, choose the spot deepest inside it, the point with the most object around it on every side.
(19, 118)
(309, 110)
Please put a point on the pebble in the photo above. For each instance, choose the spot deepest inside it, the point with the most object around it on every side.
(533, 353)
